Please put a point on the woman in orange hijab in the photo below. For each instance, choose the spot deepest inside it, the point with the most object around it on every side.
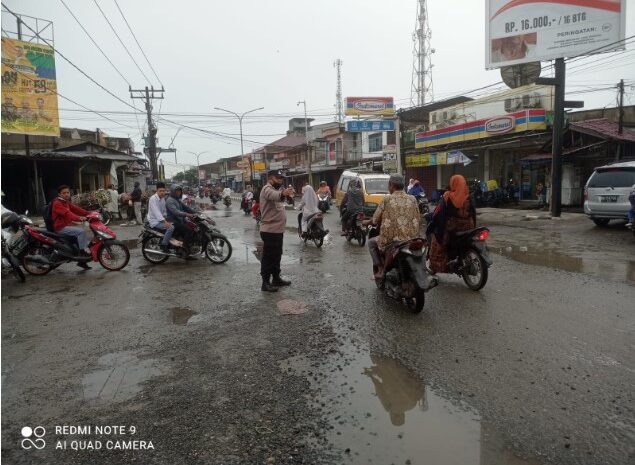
(455, 212)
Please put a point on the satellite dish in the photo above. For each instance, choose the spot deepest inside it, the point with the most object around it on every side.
(521, 75)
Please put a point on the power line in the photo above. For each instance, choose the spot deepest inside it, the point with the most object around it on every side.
(121, 41)
(139, 45)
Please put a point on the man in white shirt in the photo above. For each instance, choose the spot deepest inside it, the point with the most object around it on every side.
(157, 215)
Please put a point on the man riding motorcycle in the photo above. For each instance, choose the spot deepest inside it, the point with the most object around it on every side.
(399, 217)
(177, 212)
(353, 204)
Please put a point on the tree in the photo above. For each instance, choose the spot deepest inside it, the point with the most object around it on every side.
(190, 176)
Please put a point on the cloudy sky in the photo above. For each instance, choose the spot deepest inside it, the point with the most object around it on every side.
(244, 54)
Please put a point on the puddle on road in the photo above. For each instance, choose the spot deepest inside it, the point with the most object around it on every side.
(380, 412)
(181, 315)
(542, 256)
(119, 377)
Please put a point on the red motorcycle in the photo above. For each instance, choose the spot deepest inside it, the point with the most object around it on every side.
(45, 250)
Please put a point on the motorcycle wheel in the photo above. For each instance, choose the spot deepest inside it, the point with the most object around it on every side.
(223, 250)
(415, 304)
(113, 257)
(361, 238)
(33, 268)
(472, 261)
(318, 241)
(153, 243)
(16, 271)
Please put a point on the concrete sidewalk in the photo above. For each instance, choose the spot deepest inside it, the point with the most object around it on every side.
(509, 215)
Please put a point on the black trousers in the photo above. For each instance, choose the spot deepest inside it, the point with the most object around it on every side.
(271, 255)
(182, 231)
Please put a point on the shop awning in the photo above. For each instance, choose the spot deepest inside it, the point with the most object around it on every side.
(542, 157)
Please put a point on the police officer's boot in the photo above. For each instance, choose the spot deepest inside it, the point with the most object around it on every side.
(267, 287)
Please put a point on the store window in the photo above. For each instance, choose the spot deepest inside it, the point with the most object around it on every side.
(375, 143)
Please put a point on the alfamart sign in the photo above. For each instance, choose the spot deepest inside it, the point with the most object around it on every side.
(520, 31)
(360, 106)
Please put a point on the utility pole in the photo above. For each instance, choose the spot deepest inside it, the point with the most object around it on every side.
(620, 126)
(339, 106)
(198, 167)
(306, 138)
(148, 94)
(242, 150)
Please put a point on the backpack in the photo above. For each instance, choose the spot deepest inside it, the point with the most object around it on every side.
(47, 213)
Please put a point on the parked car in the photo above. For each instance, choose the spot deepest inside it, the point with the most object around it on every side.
(374, 186)
(606, 192)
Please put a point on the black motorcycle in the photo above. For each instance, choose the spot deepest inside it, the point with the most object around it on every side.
(13, 243)
(245, 205)
(227, 201)
(324, 202)
(315, 229)
(422, 203)
(468, 256)
(206, 238)
(405, 274)
(357, 231)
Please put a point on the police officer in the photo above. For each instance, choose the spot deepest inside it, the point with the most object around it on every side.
(272, 225)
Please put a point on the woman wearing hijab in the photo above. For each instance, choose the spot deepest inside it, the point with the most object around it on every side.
(308, 206)
(411, 184)
(455, 212)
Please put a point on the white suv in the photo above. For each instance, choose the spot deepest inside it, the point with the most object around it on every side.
(606, 192)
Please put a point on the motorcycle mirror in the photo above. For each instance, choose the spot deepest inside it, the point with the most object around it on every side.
(26, 213)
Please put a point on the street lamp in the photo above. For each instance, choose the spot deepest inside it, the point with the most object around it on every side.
(198, 167)
(240, 121)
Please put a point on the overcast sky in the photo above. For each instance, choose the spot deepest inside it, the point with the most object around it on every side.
(244, 54)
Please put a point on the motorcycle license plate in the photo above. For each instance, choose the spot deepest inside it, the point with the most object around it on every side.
(608, 198)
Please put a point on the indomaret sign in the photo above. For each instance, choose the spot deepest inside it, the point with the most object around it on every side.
(520, 31)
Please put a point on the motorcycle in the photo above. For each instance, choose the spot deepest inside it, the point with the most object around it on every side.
(324, 202)
(227, 200)
(206, 238)
(246, 205)
(357, 230)
(258, 218)
(422, 203)
(405, 274)
(468, 256)
(104, 215)
(13, 243)
(46, 250)
(315, 229)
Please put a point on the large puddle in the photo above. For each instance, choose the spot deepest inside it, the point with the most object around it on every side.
(381, 413)
(614, 270)
(119, 377)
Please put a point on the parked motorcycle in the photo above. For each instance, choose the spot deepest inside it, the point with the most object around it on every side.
(357, 230)
(315, 229)
(405, 274)
(206, 238)
(324, 202)
(47, 250)
(468, 256)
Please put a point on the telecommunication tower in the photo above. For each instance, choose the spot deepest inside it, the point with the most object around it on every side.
(339, 106)
(421, 91)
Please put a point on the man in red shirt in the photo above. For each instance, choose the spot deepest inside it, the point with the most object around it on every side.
(64, 214)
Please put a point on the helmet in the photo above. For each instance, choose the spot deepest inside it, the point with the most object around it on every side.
(9, 218)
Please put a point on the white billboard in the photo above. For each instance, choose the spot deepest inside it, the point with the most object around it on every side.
(520, 31)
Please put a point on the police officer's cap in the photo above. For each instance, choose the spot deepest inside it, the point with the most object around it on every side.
(275, 173)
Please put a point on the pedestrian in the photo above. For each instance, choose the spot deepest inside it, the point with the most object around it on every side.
(135, 196)
(272, 226)
(113, 205)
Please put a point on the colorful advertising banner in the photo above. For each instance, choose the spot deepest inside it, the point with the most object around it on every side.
(454, 157)
(525, 120)
(360, 106)
(29, 99)
(521, 31)
(370, 125)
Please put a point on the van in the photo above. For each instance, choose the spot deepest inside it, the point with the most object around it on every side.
(374, 187)
(606, 192)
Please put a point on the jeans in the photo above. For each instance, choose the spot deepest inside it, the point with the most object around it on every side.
(271, 255)
(375, 253)
(631, 215)
(78, 233)
(167, 232)
(137, 212)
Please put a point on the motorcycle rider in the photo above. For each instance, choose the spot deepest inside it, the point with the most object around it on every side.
(398, 215)
(353, 204)
(308, 207)
(157, 213)
(177, 212)
(417, 190)
(64, 214)
(324, 189)
(455, 212)
(248, 196)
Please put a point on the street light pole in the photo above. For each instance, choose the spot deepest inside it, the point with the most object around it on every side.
(198, 167)
(240, 122)
(306, 139)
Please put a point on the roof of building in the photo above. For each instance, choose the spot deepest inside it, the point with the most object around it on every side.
(604, 129)
(420, 114)
(63, 154)
(285, 143)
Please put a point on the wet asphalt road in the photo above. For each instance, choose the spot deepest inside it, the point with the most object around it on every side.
(537, 368)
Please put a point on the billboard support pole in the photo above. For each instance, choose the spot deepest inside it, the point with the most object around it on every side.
(556, 148)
